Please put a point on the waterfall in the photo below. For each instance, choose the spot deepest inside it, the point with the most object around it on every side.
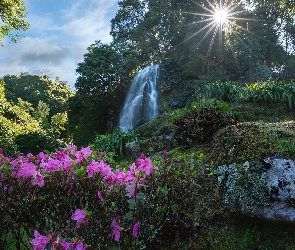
(141, 102)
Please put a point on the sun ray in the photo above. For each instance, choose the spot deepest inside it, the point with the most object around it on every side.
(196, 33)
(216, 19)
(210, 47)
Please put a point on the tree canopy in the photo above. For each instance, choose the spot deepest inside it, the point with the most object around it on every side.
(12, 18)
(33, 114)
(101, 86)
(34, 88)
(185, 32)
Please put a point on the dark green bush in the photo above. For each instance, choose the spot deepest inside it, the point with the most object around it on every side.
(35, 142)
(198, 122)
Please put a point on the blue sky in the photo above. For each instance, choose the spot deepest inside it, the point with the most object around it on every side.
(60, 32)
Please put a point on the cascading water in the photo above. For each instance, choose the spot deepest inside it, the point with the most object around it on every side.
(141, 102)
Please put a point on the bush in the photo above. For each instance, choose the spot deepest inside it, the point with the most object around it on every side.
(267, 91)
(145, 206)
(200, 121)
(114, 142)
(34, 142)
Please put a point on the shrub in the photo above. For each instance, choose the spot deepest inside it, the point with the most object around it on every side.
(200, 121)
(267, 91)
(75, 196)
(114, 142)
(34, 142)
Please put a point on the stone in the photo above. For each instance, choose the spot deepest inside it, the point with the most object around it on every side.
(265, 189)
(150, 146)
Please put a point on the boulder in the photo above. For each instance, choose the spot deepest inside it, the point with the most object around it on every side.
(150, 146)
(265, 189)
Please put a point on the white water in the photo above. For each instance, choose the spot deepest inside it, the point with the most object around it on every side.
(141, 102)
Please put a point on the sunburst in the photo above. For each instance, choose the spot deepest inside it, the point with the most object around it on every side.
(219, 17)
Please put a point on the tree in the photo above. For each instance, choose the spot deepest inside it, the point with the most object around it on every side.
(21, 131)
(12, 16)
(33, 89)
(151, 28)
(104, 77)
(182, 31)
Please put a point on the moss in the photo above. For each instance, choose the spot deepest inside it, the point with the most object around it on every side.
(156, 127)
(247, 141)
(271, 112)
(243, 187)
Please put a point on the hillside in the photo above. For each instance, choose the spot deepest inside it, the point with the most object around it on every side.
(261, 130)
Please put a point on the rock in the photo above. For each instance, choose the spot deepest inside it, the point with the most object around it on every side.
(265, 190)
(150, 146)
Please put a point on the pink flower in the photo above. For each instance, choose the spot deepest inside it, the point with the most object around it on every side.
(26, 170)
(38, 179)
(93, 168)
(53, 164)
(104, 169)
(144, 164)
(86, 151)
(42, 155)
(80, 217)
(99, 195)
(40, 241)
(116, 230)
(135, 229)
(66, 245)
(80, 246)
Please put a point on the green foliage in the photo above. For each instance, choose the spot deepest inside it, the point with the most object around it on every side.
(160, 125)
(237, 233)
(104, 77)
(200, 121)
(267, 91)
(35, 142)
(272, 91)
(225, 91)
(14, 121)
(114, 142)
(12, 16)
(35, 89)
(16, 238)
(25, 128)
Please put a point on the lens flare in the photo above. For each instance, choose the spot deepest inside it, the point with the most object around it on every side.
(220, 16)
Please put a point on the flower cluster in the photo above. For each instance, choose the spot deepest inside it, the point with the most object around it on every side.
(35, 170)
(40, 242)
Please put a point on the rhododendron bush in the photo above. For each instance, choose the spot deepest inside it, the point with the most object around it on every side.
(75, 199)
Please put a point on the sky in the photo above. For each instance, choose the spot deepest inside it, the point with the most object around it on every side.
(60, 33)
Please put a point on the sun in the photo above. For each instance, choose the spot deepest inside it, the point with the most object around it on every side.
(220, 16)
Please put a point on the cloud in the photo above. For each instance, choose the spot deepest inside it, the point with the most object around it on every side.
(58, 37)
(34, 50)
(87, 25)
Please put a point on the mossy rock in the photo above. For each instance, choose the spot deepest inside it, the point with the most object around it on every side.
(264, 112)
(156, 127)
(252, 141)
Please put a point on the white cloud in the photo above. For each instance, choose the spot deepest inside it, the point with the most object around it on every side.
(57, 43)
